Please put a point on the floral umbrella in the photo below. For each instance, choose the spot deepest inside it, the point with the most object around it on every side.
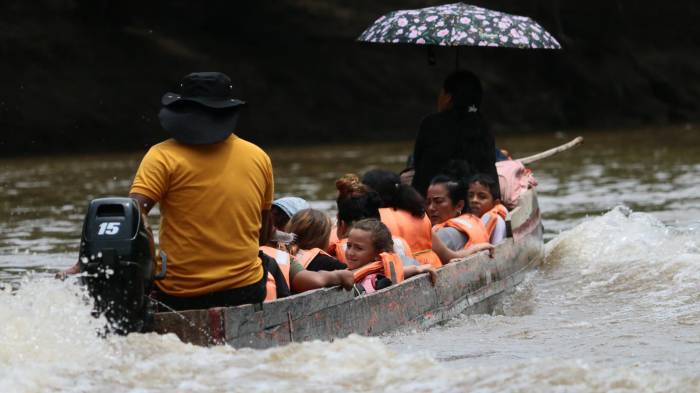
(459, 24)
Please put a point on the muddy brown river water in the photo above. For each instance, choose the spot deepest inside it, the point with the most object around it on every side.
(615, 307)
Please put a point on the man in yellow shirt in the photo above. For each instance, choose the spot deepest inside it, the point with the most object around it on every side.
(215, 192)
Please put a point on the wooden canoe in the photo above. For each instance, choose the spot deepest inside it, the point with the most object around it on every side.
(472, 285)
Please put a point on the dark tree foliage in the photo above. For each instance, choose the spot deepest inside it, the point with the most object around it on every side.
(88, 74)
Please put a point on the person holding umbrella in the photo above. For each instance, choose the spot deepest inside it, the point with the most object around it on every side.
(455, 133)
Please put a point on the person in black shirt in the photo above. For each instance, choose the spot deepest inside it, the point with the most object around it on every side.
(456, 132)
(312, 229)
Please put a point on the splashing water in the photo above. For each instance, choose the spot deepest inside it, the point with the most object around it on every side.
(617, 292)
(573, 326)
(634, 258)
(49, 343)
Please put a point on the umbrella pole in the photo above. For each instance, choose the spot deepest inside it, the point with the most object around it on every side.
(431, 55)
(457, 59)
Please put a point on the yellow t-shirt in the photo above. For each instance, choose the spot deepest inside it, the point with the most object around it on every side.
(211, 198)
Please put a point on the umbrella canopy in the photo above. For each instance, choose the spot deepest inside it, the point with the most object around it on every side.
(459, 24)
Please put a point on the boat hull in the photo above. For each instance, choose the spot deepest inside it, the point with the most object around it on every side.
(472, 285)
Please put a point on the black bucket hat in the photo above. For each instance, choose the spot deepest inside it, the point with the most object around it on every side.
(204, 111)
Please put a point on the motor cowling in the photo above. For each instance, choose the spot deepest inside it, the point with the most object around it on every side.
(117, 259)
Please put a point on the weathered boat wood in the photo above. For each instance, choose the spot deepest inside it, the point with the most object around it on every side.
(471, 285)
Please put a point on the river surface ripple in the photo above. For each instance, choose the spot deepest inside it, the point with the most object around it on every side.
(615, 307)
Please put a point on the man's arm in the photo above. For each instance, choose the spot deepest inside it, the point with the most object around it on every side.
(145, 203)
(75, 269)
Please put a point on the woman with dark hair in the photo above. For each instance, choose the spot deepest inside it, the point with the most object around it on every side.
(356, 202)
(456, 132)
(456, 232)
(403, 212)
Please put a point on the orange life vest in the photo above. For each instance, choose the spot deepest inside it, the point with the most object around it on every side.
(416, 232)
(337, 249)
(428, 257)
(468, 224)
(304, 257)
(497, 210)
(333, 239)
(389, 265)
(283, 259)
(400, 247)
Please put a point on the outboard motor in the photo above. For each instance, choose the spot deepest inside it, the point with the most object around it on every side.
(116, 257)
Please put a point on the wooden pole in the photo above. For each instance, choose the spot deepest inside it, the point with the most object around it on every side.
(548, 153)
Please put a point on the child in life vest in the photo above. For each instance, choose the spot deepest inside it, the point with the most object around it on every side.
(356, 202)
(403, 212)
(371, 258)
(484, 201)
(286, 275)
(281, 212)
(312, 229)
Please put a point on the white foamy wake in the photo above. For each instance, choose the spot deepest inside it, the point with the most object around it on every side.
(633, 257)
(49, 341)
